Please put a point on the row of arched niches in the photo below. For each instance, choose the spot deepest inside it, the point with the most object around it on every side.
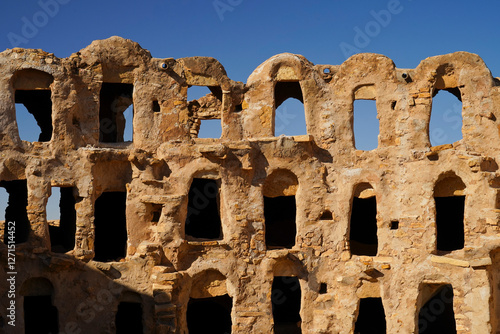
(81, 100)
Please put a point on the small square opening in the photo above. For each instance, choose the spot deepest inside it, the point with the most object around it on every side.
(156, 106)
(394, 224)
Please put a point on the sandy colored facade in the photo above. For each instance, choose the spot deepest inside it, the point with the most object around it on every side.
(169, 223)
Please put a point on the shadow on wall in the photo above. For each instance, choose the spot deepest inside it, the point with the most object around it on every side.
(87, 297)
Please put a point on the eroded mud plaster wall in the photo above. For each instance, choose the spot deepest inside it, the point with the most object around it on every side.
(312, 179)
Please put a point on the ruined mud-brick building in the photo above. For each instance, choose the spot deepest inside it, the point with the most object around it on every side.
(249, 232)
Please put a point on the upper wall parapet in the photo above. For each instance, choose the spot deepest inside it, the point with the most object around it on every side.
(90, 90)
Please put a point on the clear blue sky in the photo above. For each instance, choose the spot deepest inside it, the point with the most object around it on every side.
(241, 34)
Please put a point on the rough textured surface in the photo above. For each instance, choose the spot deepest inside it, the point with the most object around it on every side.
(163, 267)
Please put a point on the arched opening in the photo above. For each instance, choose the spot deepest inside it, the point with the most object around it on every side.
(110, 223)
(445, 125)
(61, 218)
(203, 217)
(289, 115)
(449, 197)
(129, 314)
(204, 105)
(16, 212)
(285, 298)
(365, 124)
(280, 209)
(326, 215)
(40, 316)
(437, 315)
(32, 96)
(363, 238)
(371, 317)
(209, 307)
(116, 112)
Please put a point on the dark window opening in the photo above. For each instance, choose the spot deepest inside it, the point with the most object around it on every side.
(289, 116)
(279, 215)
(116, 112)
(40, 316)
(238, 108)
(209, 315)
(129, 318)
(156, 106)
(203, 218)
(366, 125)
(156, 212)
(371, 317)
(323, 288)
(38, 104)
(393, 105)
(326, 215)
(437, 315)
(285, 298)
(450, 223)
(16, 211)
(445, 125)
(110, 223)
(394, 224)
(363, 227)
(61, 218)
(210, 128)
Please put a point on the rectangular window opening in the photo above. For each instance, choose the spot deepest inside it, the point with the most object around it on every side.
(366, 125)
(16, 211)
(450, 223)
(371, 317)
(437, 315)
(40, 316)
(116, 112)
(286, 298)
(34, 114)
(110, 223)
(363, 226)
(203, 218)
(209, 315)
(204, 106)
(61, 218)
(279, 215)
(129, 318)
